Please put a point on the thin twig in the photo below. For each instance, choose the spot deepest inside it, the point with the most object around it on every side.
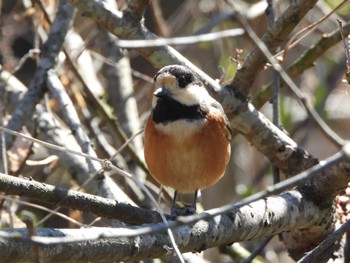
(180, 40)
(32, 53)
(49, 145)
(71, 220)
(4, 164)
(27, 218)
(122, 147)
(347, 51)
(71, 118)
(160, 24)
(313, 255)
(3, 154)
(258, 250)
(294, 40)
(275, 99)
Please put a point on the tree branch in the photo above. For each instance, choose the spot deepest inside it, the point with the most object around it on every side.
(265, 217)
(100, 206)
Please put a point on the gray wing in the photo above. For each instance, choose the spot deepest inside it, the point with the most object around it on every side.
(219, 107)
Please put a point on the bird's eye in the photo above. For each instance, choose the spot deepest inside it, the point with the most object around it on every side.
(184, 80)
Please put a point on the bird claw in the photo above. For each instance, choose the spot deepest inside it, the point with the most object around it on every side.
(182, 211)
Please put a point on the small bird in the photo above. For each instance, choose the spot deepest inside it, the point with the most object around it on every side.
(187, 135)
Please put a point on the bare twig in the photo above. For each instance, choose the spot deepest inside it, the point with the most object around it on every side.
(100, 206)
(71, 118)
(347, 51)
(49, 145)
(126, 143)
(276, 80)
(275, 99)
(307, 30)
(258, 250)
(159, 22)
(71, 220)
(32, 53)
(4, 163)
(180, 40)
(27, 218)
(121, 97)
(313, 255)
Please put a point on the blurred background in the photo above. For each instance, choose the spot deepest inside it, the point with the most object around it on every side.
(121, 81)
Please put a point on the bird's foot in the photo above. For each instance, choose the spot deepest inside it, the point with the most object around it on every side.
(182, 211)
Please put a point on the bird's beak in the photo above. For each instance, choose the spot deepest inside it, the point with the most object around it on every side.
(162, 92)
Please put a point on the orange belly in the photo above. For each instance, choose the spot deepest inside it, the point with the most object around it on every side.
(193, 163)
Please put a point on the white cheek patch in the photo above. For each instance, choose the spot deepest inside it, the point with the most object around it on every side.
(181, 129)
(154, 102)
(191, 95)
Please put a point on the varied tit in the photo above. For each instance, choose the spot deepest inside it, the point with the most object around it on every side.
(187, 135)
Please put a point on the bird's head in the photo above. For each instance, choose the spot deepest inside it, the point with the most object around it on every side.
(180, 84)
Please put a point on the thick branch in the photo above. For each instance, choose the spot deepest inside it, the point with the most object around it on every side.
(281, 150)
(77, 200)
(270, 216)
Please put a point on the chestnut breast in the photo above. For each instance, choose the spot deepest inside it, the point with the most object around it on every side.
(188, 154)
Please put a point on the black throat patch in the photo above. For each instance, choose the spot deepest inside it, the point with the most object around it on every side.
(169, 110)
